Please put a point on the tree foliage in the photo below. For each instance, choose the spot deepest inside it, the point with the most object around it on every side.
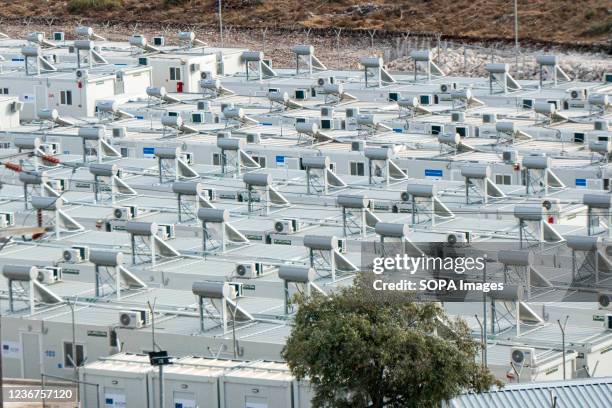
(366, 348)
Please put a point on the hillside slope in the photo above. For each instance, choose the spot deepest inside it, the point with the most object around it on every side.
(561, 21)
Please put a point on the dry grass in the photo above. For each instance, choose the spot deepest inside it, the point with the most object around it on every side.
(569, 21)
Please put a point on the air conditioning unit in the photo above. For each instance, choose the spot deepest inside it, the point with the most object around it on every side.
(236, 290)
(286, 226)
(327, 112)
(426, 99)
(578, 94)
(458, 116)
(187, 157)
(447, 88)
(159, 41)
(82, 73)
(394, 96)
(326, 124)
(301, 94)
(510, 156)
(253, 138)
(243, 197)
(143, 61)
(76, 254)
(125, 213)
(119, 132)
(321, 81)
(352, 112)
(211, 194)
(456, 238)
(49, 275)
(206, 75)
(166, 231)
(527, 103)
(58, 185)
(58, 36)
(7, 219)
(523, 356)
(249, 269)
(462, 131)
(134, 319)
(16, 106)
(342, 245)
(605, 300)
(358, 145)
(608, 322)
(197, 117)
(489, 118)
(204, 106)
(601, 125)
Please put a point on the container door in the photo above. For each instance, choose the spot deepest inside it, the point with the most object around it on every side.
(184, 400)
(256, 402)
(30, 347)
(179, 86)
(114, 398)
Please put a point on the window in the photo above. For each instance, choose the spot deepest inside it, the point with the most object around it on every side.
(66, 97)
(4, 91)
(216, 159)
(503, 179)
(261, 160)
(357, 169)
(68, 359)
(125, 152)
(175, 74)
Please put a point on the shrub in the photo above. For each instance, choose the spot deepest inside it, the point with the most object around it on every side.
(76, 6)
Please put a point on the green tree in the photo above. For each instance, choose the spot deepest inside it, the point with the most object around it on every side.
(365, 348)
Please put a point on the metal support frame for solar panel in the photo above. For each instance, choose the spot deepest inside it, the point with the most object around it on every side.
(210, 291)
(551, 63)
(424, 57)
(496, 316)
(26, 277)
(585, 260)
(318, 261)
(164, 154)
(500, 74)
(599, 206)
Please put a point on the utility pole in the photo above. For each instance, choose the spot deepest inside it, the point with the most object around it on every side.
(516, 38)
(220, 23)
(562, 327)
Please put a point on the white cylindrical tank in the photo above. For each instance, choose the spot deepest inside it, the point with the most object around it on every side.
(84, 45)
(28, 142)
(421, 190)
(82, 31)
(391, 229)
(158, 92)
(505, 127)
(31, 51)
(536, 162)
(582, 242)
(497, 68)
(47, 203)
(214, 215)
(295, 273)
(321, 242)
(34, 178)
(91, 133)
(167, 152)
(315, 162)
(277, 96)
(353, 201)
(172, 121)
(190, 188)
(377, 153)
(35, 37)
(186, 36)
(476, 172)
(105, 258)
(103, 170)
(461, 94)
(333, 89)
(214, 84)
(252, 56)
(257, 179)
(229, 143)
(548, 60)
(408, 102)
(508, 293)
(233, 113)
(515, 258)
(108, 105)
(22, 273)
(600, 146)
(596, 99)
(141, 228)
(303, 49)
(306, 128)
(449, 138)
(529, 212)
(48, 114)
(597, 200)
(211, 289)
(371, 62)
(420, 55)
(544, 108)
(137, 41)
